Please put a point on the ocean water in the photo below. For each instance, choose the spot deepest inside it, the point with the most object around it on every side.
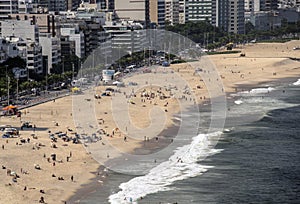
(257, 160)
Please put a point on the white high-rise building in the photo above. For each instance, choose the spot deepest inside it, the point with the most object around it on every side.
(50, 49)
(252, 5)
(138, 10)
(228, 15)
(31, 52)
(204, 10)
(157, 12)
(7, 50)
(183, 11)
(24, 29)
(172, 11)
(72, 30)
(25, 35)
(25, 6)
(8, 7)
(289, 4)
(126, 35)
(236, 19)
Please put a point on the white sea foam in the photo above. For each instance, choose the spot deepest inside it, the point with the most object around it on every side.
(181, 165)
(297, 83)
(176, 118)
(258, 91)
(238, 102)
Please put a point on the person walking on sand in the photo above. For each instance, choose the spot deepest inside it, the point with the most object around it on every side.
(42, 200)
(3, 146)
(72, 178)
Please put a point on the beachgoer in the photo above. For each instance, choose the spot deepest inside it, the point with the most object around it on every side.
(2, 146)
(72, 178)
(42, 200)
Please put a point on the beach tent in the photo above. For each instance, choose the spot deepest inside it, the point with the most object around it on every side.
(117, 74)
(116, 82)
(9, 107)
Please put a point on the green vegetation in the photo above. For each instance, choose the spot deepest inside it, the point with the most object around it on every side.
(178, 61)
(7, 75)
(212, 37)
(7, 78)
(224, 52)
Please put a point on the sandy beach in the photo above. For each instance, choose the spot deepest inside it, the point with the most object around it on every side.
(263, 62)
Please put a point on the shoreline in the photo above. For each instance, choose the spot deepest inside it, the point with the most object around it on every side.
(90, 187)
(88, 177)
(239, 87)
(94, 182)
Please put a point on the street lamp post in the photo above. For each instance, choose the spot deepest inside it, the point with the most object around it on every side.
(63, 64)
(8, 82)
(47, 80)
(18, 76)
(72, 71)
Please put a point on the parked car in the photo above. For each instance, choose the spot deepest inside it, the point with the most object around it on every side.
(6, 135)
(11, 131)
(26, 125)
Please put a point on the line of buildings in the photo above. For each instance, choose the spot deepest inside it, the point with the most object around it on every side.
(46, 33)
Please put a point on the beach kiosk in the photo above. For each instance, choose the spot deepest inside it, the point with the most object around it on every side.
(108, 76)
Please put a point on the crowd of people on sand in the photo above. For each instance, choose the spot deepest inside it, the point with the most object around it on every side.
(38, 146)
(151, 95)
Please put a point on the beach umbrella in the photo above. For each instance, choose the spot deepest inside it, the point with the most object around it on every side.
(9, 107)
(75, 89)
